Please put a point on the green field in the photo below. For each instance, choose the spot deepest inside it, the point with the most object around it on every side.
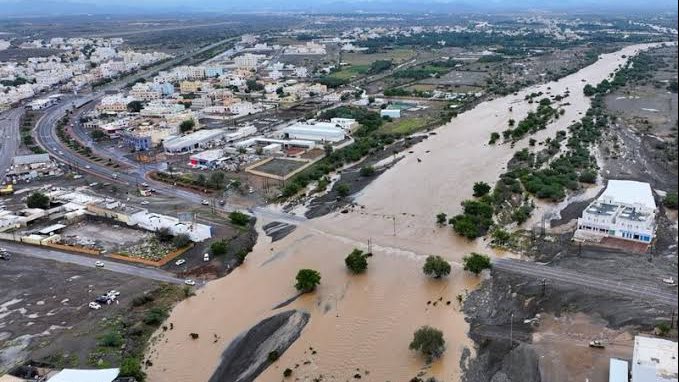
(347, 72)
(405, 126)
(397, 56)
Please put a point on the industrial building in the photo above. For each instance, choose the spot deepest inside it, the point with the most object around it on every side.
(391, 113)
(625, 210)
(198, 140)
(207, 159)
(315, 131)
(654, 360)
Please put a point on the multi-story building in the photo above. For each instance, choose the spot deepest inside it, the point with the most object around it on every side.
(246, 61)
(186, 87)
(625, 210)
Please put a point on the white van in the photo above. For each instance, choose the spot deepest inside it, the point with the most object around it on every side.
(206, 257)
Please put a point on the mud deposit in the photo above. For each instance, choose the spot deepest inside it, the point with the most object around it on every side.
(248, 355)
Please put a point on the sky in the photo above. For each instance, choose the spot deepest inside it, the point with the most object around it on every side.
(66, 7)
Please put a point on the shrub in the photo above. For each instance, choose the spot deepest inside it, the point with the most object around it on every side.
(429, 342)
(273, 356)
(521, 214)
(671, 201)
(367, 171)
(141, 300)
(164, 235)
(356, 261)
(111, 339)
(441, 218)
(343, 190)
(287, 372)
(436, 266)
(187, 125)
(241, 255)
(662, 329)
(38, 200)
(307, 280)
(155, 317)
(476, 263)
(239, 218)
(481, 188)
(588, 177)
(501, 236)
(131, 367)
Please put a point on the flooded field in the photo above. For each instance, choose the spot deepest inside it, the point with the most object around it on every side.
(363, 324)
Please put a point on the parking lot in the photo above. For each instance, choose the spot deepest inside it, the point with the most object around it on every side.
(44, 308)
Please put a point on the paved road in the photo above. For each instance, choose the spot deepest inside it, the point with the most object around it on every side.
(85, 261)
(660, 293)
(9, 137)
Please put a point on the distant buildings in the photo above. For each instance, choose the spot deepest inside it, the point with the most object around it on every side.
(246, 61)
(625, 210)
(310, 48)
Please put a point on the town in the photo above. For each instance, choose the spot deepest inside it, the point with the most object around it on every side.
(285, 196)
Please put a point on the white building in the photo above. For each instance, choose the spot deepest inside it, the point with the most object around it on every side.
(315, 131)
(246, 61)
(625, 210)
(654, 360)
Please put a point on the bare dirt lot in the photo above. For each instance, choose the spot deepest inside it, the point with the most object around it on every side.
(43, 309)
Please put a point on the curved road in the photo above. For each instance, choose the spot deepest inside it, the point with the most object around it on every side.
(9, 133)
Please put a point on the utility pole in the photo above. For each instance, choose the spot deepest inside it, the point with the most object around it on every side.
(544, 286)
(394, 218)
(672, 319)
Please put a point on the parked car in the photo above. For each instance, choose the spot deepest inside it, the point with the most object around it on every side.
(144, 202)
(189, 282)
(99, 264)
(103, 300)
(4, 255)
(113, 292)
(179, 262)
(596, 344)
(94, 305)
(205, 202)
(206, 257)
(222, 202)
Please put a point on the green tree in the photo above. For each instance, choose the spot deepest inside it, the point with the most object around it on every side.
(307, 280)
(181, 240)
(218, 248)
(216, 179)
(38, 200)
(131, 367)
(476, 263)
(239, 218)
(187, 125)
(441, 218)
(494, 136)
(428, 341)
(436, 267)
(481, 188)
(135, 106)
(356, 261)
(97, 134)
(670, 200)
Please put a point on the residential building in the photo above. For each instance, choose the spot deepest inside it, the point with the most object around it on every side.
(186, 87)
(625, 210)
(246, 61)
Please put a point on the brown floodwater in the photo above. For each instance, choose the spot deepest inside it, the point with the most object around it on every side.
(366, 322)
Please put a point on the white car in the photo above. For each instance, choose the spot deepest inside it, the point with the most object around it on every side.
(189, 282)
(113, 292)
(144, 202)
(206, 257)
(99, 264)
(205, 202)
(144, 184)
(179, 262)
(94, 305)
(88, 167)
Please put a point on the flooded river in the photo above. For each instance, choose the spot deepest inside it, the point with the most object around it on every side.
(365, 323)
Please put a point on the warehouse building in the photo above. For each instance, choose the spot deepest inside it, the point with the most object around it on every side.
(625, 210)
(654, 360)
(317, 131)
(199, 140)
(207, 159)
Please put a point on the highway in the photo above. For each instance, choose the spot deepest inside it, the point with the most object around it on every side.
(9, 131)
(662, 294)
(86, 261)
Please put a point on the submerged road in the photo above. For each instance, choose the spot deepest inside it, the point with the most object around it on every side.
(661, 294)
(85, 261)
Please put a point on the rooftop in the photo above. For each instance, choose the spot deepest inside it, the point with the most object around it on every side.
(629, 192)
(654, 354)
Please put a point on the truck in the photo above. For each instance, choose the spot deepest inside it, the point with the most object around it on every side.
(7, 190)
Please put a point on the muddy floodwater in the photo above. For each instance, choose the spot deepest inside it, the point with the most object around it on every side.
(363, 324)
